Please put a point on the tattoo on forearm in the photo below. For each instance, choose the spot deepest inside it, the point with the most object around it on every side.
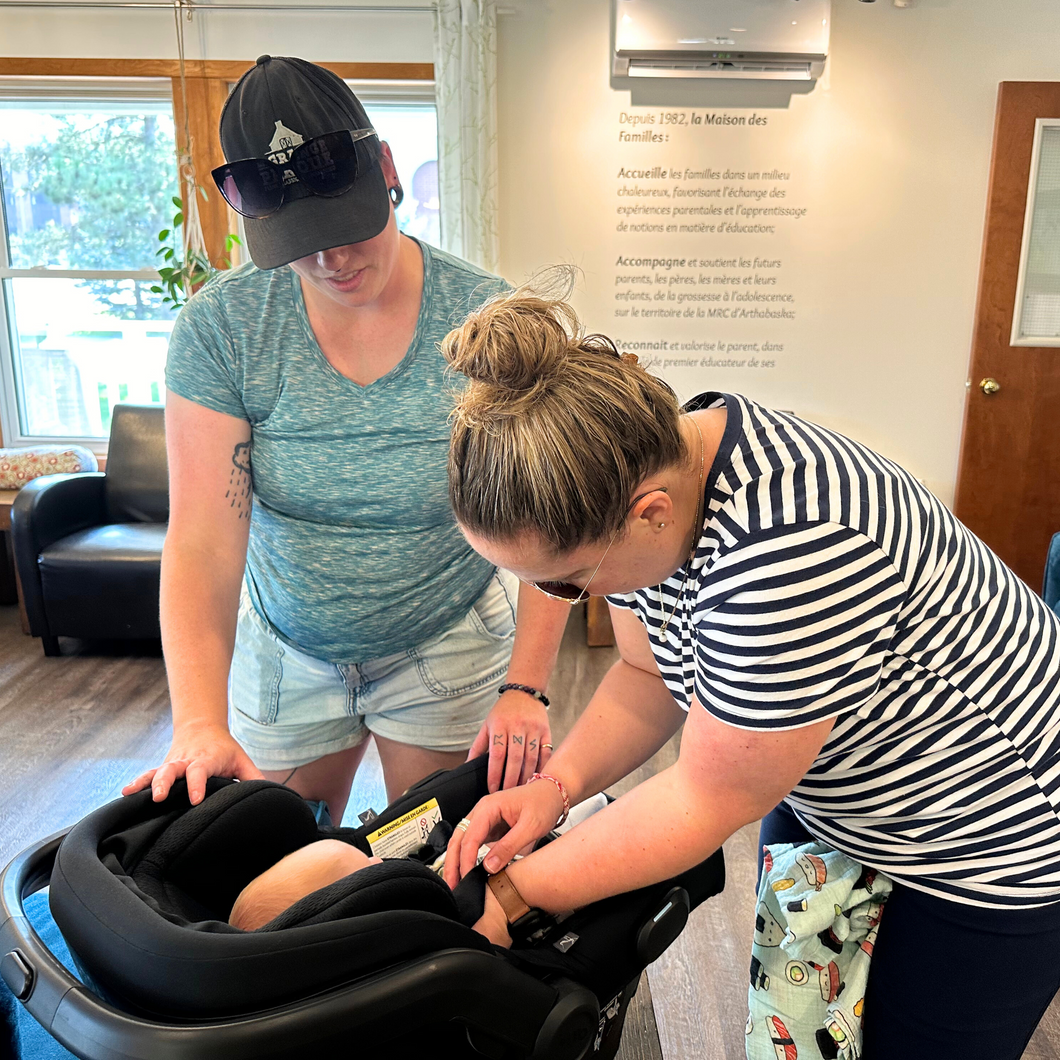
(240, 482)
(498, 740)
(532, 745)
(518, 740)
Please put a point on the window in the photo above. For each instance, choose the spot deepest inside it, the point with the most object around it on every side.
(411, 130)
(1036, 320)
(87, 177)
(406, 117)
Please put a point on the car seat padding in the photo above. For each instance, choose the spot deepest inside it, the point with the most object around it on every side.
(159, 949)
(211, 852)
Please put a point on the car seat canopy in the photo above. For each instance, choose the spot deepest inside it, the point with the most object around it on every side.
(142, 892)
(202, 859)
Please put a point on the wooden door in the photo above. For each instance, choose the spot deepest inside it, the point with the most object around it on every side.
(1008, 481)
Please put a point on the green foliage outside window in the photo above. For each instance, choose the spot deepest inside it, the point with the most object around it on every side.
(115, 175)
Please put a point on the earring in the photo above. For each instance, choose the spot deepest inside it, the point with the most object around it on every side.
(397, 194)
(661, 525)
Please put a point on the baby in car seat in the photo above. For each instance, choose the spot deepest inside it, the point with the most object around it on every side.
(300, 873)
(326, 861)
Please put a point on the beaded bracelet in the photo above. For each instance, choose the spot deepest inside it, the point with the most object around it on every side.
(539, 696)
(562, 794)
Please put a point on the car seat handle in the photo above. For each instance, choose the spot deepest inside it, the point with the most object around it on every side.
(664, 925)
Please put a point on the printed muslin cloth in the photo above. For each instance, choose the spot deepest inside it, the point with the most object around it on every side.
(815, 926)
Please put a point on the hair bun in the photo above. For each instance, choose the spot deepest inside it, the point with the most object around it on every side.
(517, 341)
(556, 429)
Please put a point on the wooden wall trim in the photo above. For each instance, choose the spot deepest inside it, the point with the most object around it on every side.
(206, 98)
(207, 83)
(226, 69)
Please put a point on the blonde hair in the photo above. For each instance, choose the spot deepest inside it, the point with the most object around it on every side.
(555, 429)
(300, 873)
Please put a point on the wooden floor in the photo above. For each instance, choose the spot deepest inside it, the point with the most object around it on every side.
(74, 729)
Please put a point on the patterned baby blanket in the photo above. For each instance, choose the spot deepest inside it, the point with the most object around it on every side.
(815, 925)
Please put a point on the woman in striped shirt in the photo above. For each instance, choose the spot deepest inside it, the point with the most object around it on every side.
(841, 650)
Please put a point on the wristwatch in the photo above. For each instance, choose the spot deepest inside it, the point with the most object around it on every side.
(523, 922)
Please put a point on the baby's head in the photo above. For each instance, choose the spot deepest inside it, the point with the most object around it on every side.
(292, 878)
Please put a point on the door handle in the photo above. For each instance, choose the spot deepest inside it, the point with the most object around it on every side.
(989, 386)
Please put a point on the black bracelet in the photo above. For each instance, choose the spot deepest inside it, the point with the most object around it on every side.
(539, 696)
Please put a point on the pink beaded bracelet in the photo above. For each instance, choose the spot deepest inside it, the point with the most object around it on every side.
(562, 794)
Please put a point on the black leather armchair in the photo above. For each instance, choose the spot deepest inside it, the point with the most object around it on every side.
(88, 548)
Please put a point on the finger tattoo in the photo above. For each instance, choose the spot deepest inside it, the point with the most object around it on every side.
(517, 739)
(498, 740)
(532, 745)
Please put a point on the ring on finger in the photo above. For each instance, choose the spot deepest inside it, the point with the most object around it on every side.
(464, 825)
(548, 745)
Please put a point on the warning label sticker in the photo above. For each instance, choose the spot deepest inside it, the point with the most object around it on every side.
(409, 831)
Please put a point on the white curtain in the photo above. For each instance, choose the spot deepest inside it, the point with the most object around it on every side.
(465, 73)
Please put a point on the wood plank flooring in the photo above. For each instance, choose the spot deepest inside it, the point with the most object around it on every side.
(74, 729)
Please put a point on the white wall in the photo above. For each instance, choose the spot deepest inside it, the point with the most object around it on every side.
(890, 154)
(348, 36)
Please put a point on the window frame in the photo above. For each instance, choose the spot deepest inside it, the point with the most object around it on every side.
(207, 84)
(147, 90)
(1020, 336)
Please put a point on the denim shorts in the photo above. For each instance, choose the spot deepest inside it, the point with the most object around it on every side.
(287, 708)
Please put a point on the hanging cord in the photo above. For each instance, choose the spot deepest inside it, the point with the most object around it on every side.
(194, 242)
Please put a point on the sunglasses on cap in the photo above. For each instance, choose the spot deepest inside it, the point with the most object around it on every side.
(325, 165)
(573, 594)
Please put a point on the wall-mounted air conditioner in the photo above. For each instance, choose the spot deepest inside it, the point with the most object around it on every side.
(784, 40)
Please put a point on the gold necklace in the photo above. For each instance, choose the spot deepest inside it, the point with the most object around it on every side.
(696, 529)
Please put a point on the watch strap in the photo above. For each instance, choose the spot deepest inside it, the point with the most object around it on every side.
(511, 901)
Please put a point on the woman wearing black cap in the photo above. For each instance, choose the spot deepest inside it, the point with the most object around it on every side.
(313, 578)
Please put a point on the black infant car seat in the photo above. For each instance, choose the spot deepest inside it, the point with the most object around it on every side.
(142, 891)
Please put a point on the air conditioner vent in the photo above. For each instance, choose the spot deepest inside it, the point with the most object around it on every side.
(773, 39)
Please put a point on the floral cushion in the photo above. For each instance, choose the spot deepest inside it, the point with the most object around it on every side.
(18, 466)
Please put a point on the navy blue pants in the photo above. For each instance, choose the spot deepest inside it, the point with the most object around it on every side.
(949, 980)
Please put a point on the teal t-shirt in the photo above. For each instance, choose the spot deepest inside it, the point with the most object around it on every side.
(354, 553)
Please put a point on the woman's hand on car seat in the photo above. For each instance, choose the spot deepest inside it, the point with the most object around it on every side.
(516, 819)
(197, 753)
(493, 923)
(516, 734)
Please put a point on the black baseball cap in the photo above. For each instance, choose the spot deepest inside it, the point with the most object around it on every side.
(277, 104)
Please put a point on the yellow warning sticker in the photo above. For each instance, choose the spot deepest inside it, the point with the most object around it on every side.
(399, 838)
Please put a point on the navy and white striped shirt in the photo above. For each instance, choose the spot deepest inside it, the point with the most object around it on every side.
(829, 583)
